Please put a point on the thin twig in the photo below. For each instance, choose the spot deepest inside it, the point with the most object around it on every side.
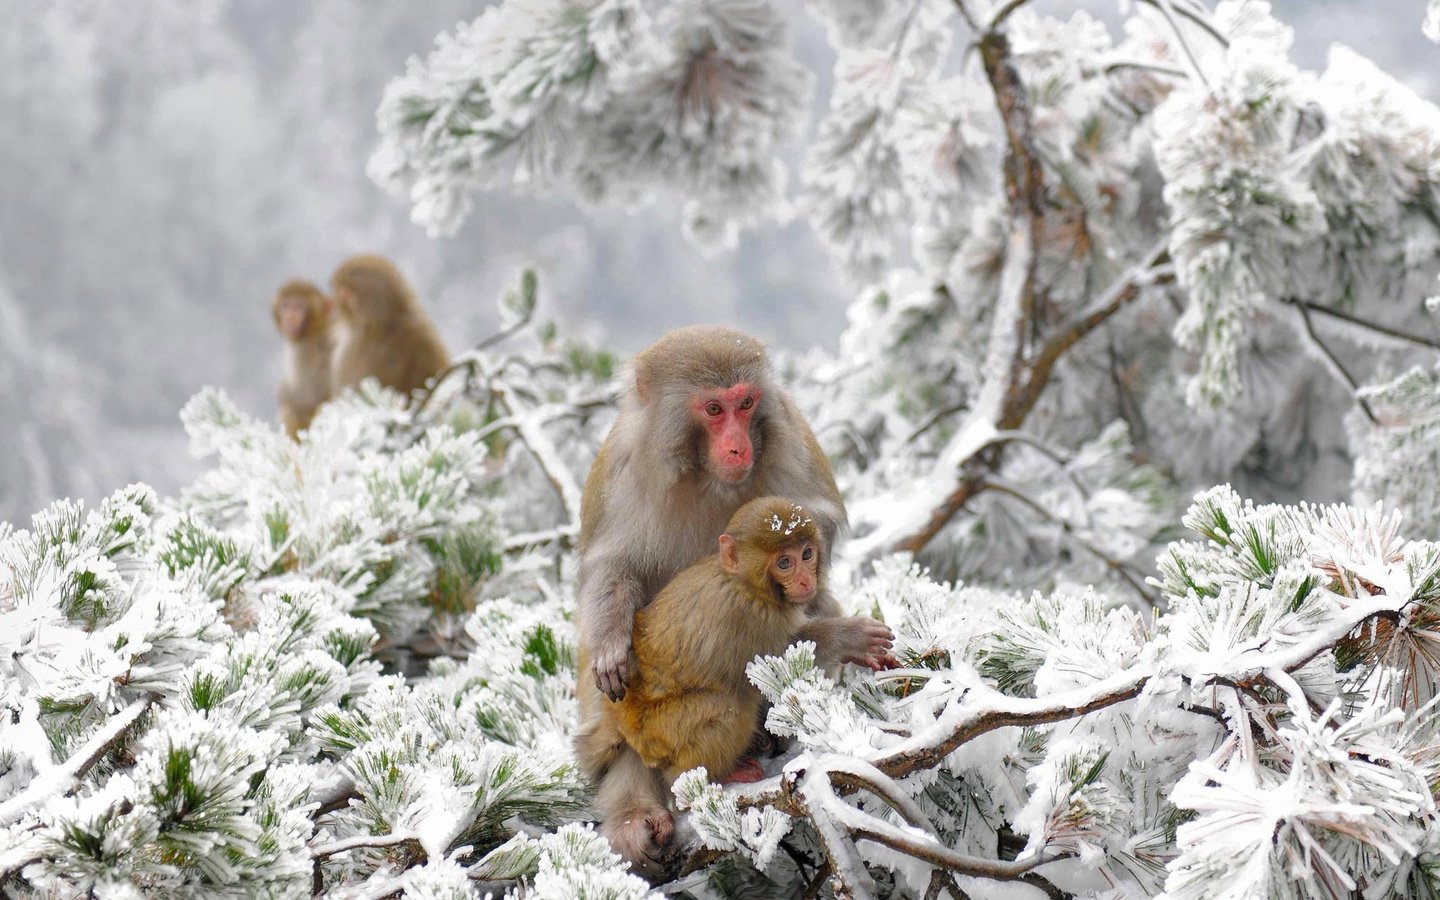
(334, 794)
(1376, 327)
(923, 846)
(936, 419)
(16, 858)
(1196, 16)
(968, 16)
(1168, 11)
(817, 884)
(1335, 366)
(362, 841)
(858, 774)
(561, 536)
(528, 425)
(1004, 13)
(1159, 69)
(846, 867)
(904, 32)
(1123, 569)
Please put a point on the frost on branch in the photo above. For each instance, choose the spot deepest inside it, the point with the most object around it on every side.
(1282, 186)
(720, 823)
(193, 699)
(533, 94)
(1238, 201)
(403, 529)
(891, 139)
(1345, 800)
(576, 862)
(499, 100)
(1398, 456)
(871, 23)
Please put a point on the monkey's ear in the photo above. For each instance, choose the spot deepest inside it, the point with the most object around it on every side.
(729, 554)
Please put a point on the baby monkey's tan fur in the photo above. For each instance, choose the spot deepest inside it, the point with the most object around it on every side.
(691, 704)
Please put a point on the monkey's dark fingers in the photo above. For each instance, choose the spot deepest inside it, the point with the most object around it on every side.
(612, 673)
(882, 662)
(610, 685)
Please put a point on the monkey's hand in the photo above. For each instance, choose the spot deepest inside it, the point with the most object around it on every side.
(866, 641)
(614, 661)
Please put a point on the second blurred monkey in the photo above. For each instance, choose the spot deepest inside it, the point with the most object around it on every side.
(384, 333)
(302, 316)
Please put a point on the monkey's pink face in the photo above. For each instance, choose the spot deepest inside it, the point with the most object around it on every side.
(796, 569)
(725, 415)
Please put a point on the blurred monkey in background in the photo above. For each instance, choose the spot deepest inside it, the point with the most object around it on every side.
(384, 334)
(302, 316)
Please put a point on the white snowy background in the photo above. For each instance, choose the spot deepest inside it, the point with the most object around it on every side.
(164, 166)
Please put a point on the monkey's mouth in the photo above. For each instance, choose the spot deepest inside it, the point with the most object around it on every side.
(733, 472)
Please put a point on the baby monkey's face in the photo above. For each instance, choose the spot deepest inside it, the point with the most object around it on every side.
(796, 569)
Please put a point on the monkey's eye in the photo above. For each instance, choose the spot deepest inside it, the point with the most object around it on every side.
(747, 403)
(713, 409)
(783, 562)
(808, 554)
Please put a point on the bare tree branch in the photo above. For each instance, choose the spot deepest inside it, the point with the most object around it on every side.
(980, 458)
(1004, 13)
(1167, 10)
(1333, 363)
(14, 860)
(1197, 15)
(1130, 574)
(561, 535)
(361, 841)
(1349, 318)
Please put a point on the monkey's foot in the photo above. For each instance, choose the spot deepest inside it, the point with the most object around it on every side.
(747, 771)
(641, 839)
(661, 825)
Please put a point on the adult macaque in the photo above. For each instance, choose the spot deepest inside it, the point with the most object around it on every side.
(384, 334)
(702, 430)
(302, 316)
(689, 703)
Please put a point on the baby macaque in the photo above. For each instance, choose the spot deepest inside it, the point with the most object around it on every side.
(302, 316)
(689, 703)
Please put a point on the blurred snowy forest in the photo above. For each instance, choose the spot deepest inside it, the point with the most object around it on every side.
(165, 167)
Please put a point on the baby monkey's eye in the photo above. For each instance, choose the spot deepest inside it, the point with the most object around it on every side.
(784, 562)
(808, 554)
